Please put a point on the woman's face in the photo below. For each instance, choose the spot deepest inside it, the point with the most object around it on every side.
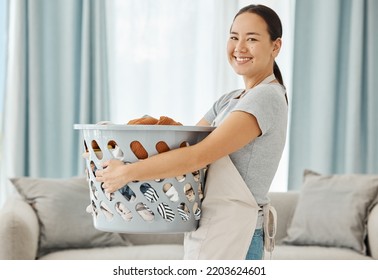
(250, 50)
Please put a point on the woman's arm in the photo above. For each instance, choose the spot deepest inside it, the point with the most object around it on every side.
(203, 122)
(237, 130)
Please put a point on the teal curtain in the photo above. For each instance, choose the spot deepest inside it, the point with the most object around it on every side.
(56, 77)
(334, 121)
(3, 40)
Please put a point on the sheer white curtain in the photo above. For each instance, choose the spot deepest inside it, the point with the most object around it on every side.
(169, 58)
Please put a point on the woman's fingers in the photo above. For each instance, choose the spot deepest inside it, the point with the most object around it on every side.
(108, 175)
(99, 174)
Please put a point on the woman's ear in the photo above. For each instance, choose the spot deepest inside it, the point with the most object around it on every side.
(277, 47)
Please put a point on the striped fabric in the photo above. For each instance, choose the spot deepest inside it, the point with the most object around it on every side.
(149, 192)
(166, 212)
(183, 214)
(197, 214)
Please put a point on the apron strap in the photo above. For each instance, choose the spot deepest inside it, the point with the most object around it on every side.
(270, 228)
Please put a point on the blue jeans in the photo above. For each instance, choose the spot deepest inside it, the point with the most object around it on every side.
(256, 248)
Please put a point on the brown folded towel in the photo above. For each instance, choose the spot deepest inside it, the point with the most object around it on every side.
(137, 148)
(163, 120)
(145, 120)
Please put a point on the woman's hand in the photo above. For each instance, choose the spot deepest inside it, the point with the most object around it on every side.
(112, 175)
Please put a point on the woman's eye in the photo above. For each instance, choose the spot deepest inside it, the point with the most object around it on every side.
(252, 39)
(233, 38)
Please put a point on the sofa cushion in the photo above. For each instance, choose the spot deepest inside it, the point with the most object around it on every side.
(292, 252)
(60, 205)
(332, 210)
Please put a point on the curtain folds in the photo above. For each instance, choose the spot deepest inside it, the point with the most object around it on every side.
(56, 77)
(334, 126)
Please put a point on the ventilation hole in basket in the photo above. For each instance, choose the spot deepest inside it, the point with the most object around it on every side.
(166, 212)
(181, 178)
(106, 211)
(149, 192)
(97, 150)
(123, 211)
(161, 147)
(112, 144)
(85, 146)
(184, 212)
(93, 168)
(196, 211)
(200, 191)
(86, 152)
(92, 209)
(127, 193)
(138, 150)
(109, 196)
(145, 212)
(196, 175)
(94, 190)
(171, 192)
(189, 192)
(184, 144)
(115, 150)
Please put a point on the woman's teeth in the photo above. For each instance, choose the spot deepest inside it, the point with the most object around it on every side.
(241, 59)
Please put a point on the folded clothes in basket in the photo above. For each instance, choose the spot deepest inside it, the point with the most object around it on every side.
(148, 120)
(161, 147)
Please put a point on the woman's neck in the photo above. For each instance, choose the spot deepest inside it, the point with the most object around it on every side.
(252, 82)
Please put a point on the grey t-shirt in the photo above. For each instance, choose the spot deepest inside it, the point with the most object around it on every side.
(257, 162)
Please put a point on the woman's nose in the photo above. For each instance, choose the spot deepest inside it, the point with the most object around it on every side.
(240, 47)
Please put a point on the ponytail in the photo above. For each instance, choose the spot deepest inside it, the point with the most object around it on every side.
(277, 73)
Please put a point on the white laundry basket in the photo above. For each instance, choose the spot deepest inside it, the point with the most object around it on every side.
(164, 205)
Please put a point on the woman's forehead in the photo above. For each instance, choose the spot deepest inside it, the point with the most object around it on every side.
(249, 23)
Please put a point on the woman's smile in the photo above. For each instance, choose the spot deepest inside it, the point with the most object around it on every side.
(242, 60)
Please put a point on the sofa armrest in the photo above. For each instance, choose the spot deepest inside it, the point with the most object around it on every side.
(284, 203)
(372, 228)
(19, 230)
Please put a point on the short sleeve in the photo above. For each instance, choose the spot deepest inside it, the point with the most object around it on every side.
(267, 103)
(218, 106)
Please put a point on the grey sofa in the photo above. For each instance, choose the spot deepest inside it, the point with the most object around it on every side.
(20, 238)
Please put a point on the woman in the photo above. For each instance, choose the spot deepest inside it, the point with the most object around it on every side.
(250, 123)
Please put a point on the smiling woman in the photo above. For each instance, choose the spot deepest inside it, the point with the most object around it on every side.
(250, 125)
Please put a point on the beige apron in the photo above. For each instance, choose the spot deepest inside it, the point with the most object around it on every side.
(229, 216)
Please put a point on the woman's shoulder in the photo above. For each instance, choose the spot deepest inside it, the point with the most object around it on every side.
(225, 98)
(272, 90)
(232, 94)
(271, 87)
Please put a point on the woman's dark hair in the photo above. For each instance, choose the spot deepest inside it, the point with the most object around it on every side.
(274, 28)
